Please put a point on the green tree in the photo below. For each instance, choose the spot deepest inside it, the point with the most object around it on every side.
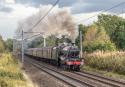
(115, 28)
(2, 45)
(96, 38)
(36, 42)
(83, 29)
(9, 44)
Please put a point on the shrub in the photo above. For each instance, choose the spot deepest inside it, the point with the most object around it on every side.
(102, 46)
(109, 61)
(10, 73)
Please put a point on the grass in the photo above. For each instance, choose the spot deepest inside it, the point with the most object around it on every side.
(10, 72)
(108, 61)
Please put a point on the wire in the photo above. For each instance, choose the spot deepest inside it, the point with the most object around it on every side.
(103, 11)
(33, 36)
(41, 20)
(45, 14)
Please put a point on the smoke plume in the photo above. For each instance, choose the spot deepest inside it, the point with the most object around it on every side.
(59, 22)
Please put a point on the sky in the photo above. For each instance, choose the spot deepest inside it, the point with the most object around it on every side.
(14, 11)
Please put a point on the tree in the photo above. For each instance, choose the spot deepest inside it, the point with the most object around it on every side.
(96, 38)
(115, 28)
(36, 42)
(83, 29)
(9, 45)
(2, 45)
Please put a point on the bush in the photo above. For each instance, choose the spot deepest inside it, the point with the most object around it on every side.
(3, 83)
(103, 46)
(10, 72)
(109, 61)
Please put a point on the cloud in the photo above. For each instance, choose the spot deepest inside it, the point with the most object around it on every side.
(37, 3)
(4, 5)
(77, 6)
(81, 18)
(12, 11)
(5, 9)
(10, 1)
(9, 21)
(86, 6)
(89, 18)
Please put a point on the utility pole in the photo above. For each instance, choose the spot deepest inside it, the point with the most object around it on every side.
(81, 44)
(22, 48)
(44, 41)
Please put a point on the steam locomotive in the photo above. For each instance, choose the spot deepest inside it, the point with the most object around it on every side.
(64, 55)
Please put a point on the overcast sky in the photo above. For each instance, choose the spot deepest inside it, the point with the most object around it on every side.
(13, 11)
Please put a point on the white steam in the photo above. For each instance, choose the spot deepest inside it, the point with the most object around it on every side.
(59, 22)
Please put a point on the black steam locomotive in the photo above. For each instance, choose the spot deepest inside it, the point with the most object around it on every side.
(64, 55)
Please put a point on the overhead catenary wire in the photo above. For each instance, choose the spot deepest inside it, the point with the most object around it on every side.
(43, 18)
(122, 3)
(45, 14)
(34, 27)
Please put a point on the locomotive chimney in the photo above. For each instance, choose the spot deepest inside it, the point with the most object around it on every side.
(73, 42)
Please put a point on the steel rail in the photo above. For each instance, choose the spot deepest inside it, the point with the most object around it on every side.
(47, 70)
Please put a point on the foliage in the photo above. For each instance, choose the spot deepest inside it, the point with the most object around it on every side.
(83, 29)
(63, 39)
(2, 45)
(50, 41)
(36, 42)
(9, 45)
(10, 73)
(109, 61)
(39, 42)
(115, 28)
(96, 38)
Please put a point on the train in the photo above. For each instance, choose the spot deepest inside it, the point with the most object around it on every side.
(65, 56)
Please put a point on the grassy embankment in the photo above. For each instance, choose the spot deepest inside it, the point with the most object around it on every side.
(10, 72)
(108, 63)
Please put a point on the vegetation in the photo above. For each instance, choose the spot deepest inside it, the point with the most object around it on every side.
(50, 41)
(2, 45)
(10, 73)
(83, 29)
(115, 28)
(108, 33)
(9, 45)
(96, 38)
(101, 42)
(6, 45)
(109, 61)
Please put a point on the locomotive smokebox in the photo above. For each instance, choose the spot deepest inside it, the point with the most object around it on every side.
(73, 44)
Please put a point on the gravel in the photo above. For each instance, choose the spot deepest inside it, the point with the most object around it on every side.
(40, 78)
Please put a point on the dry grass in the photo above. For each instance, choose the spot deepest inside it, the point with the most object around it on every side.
(109, 61)
(10, 72)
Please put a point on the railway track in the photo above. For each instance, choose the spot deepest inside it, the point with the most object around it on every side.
(109, 81)
(77, 79)
(67, 79)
